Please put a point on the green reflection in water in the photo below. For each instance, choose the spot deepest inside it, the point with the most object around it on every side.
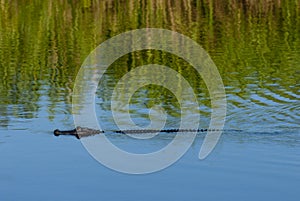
(255, 45)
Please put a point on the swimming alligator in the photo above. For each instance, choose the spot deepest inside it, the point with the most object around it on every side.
(80, 132)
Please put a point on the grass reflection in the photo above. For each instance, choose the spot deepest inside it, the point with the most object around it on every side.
(255, 45)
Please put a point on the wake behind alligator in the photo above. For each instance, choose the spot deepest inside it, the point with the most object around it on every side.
(80, 132)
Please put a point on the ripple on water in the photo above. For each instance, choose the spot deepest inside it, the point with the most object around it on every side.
(275, 110)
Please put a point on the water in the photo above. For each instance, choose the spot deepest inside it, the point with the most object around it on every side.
(243, 167)
(255, 47)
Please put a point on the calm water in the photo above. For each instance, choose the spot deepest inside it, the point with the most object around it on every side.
(255, 47)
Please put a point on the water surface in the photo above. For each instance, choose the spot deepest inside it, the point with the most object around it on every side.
(255, 46)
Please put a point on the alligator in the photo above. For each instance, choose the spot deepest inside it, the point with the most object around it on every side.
(80, 132)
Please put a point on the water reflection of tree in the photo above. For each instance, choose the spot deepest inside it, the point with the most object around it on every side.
(43, 43)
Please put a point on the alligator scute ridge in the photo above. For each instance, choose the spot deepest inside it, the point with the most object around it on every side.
(80, 132)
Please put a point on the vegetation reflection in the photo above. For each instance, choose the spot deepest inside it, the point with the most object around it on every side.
(255, 44)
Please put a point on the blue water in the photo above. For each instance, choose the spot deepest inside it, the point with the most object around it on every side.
(261, 162)
(244, 166)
